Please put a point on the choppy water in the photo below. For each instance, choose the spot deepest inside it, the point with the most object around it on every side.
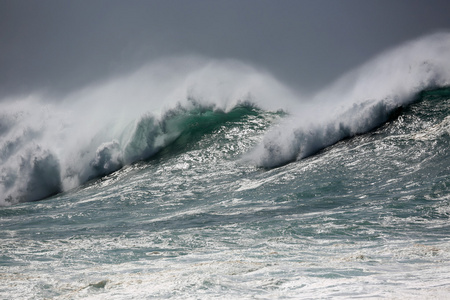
(202, 213)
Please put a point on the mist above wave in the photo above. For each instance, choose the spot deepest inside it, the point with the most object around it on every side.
(358, 102)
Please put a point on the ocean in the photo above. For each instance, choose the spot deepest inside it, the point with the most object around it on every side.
(194, 178)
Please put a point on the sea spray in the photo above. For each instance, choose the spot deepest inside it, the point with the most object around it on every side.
(359, 101)
(49, 145)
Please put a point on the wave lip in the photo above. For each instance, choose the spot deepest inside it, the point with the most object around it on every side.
(358, 102)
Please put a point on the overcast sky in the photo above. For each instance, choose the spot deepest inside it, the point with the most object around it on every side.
(63, 45)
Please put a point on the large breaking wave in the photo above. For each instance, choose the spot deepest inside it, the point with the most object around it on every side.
(51, 145)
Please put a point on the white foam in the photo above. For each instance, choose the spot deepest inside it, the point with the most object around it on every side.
(284, 267)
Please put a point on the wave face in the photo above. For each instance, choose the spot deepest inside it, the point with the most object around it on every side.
(52, 145)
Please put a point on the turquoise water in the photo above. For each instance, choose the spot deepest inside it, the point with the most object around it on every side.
(218, 182)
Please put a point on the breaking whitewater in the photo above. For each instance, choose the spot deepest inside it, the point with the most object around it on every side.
(194, 178)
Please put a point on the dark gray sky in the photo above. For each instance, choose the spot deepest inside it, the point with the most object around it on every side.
(62, 45)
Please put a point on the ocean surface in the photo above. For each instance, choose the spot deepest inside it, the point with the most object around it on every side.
(194, 178)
